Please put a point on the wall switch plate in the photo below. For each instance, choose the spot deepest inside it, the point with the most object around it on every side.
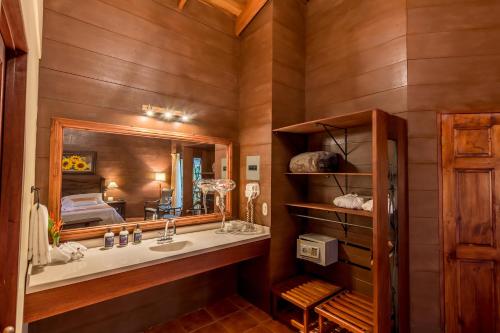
(264, 208)
(253, 168)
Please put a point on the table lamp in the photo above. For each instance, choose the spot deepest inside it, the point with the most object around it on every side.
(111, 185)
(160, 177)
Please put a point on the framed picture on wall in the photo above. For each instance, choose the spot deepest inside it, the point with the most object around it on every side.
(79, 162)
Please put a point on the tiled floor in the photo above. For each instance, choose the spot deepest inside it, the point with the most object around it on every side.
(231, 315)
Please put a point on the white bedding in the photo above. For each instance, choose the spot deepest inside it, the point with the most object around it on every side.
(103, 211)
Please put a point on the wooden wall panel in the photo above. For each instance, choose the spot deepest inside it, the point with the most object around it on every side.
(453, 65)
(355, 59)
(101, 61)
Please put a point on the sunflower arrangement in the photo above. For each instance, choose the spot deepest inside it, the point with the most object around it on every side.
(55, 227)
(75, 162)
(67, 164)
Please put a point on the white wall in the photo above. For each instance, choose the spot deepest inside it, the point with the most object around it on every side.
(32, 16)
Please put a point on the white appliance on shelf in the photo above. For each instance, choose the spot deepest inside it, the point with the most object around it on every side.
(319, 249)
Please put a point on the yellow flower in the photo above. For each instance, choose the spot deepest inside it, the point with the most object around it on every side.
(75, 159)
(81, 166)
(67, 164)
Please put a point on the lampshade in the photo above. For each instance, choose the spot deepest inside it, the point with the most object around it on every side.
(160, 176)
(112, 185)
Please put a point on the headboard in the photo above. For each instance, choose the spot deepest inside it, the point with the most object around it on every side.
(81, 184)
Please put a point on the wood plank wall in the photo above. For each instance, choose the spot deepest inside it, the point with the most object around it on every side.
(255, 107)
(129, 161)
(453, 64)
(103, 59)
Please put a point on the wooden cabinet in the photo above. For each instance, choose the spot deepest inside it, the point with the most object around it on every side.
(119, 206)
(470, 148)
(373, 246)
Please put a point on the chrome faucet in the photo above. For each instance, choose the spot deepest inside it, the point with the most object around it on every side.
(168, 236)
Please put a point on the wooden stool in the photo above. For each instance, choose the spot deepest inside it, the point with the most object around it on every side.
(349, 310)
(305, 293)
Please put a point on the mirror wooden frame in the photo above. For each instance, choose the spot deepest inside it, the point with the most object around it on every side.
(55, 173)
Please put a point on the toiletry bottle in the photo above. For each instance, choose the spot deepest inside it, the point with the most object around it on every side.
(109, 239)
(123, 236)
(137, 234)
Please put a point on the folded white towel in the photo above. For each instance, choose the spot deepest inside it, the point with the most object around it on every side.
(351, 201)
(368, 205)
(38, 243)
(67, 252)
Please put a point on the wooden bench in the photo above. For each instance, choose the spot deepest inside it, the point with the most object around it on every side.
(349, 310)
(305, 293)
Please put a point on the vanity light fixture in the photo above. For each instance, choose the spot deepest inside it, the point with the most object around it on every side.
(165, 114)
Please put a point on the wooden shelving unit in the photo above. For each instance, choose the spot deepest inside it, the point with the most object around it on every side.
(389, 307)
(330, 208)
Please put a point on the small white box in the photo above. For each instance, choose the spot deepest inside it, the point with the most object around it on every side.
(320, 249)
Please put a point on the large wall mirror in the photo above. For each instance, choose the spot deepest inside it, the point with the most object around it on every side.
(105, 175)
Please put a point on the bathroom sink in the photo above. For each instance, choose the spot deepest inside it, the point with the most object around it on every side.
(169, 247)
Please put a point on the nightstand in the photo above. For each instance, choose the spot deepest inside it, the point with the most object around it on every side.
(119, 206)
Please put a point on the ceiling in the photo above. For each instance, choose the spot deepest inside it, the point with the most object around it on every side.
(243, 10)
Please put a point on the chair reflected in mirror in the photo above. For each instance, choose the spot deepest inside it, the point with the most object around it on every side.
(162, 208)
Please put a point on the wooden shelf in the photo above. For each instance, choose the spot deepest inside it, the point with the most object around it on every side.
(330, 208)
(349, 310)
(346, 121)
(363, 174)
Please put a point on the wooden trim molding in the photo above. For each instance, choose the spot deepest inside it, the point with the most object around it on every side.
(55, 174)
(51, 302)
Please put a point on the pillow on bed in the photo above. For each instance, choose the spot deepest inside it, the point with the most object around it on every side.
(79, 200)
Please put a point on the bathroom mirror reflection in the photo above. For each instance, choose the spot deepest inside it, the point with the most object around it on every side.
(108, 177)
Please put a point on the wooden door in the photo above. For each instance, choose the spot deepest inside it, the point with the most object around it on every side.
(470, 227)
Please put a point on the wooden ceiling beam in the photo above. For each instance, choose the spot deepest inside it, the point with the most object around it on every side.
(181, 4)
(247, 15)
(233, 7)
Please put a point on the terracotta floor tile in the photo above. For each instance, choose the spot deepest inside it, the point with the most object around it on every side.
(239, 301)
(257, 313)
(171, 327)
(222, 308)
(238, 322)
(195, 320)
(259, 329)
(212, 328)
(277, 327)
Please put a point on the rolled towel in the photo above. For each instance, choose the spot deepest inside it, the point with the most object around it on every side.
(59, 256)
(351, 201)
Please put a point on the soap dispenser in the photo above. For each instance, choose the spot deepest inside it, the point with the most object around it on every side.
(137, 234)
(123, 238)
(109, 239)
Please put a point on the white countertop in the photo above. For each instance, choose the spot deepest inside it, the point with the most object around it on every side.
(98, 262)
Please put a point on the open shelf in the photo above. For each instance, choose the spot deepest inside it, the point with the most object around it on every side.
(330, 208)
(363, 174)
(346, 121)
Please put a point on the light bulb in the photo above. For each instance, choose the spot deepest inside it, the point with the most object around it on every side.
(150, 113)
(168, 115)
(185, 118)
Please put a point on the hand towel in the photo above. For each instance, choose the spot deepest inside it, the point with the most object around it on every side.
(38, 244)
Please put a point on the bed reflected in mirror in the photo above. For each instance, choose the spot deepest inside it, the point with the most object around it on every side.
(110, 178)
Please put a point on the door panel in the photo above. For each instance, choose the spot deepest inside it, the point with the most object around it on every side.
(475, 218)
(470, 211)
